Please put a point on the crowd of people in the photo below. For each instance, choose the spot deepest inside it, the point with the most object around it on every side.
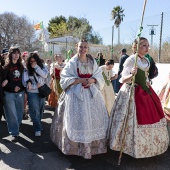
(91, 113)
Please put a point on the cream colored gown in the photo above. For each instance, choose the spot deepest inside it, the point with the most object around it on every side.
(107, 91)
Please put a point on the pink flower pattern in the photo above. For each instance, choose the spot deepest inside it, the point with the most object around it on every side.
(141, 141)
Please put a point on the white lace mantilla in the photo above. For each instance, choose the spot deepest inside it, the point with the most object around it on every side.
(87, 120)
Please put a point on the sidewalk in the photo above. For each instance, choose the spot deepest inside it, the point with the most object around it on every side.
(39, 153)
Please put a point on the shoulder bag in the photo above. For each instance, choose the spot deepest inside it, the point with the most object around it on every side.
(44, 90)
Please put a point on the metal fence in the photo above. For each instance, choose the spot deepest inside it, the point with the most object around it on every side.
(155, 29)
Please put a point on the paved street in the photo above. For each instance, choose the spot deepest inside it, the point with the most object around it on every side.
(39, 153)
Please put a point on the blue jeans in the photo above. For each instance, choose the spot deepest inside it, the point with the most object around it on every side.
(13, 107)
(116, 84)
(36, 109)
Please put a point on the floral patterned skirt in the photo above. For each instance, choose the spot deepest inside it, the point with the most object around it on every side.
(60, 138)
(164, 96)
(141, 140)
(53, 97)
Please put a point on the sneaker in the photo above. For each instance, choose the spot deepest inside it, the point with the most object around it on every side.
(25, 117)
(38, 133)
(14, 139)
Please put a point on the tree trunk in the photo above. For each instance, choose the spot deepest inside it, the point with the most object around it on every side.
(119, 35)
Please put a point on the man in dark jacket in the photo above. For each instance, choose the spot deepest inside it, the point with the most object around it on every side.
(99, 59)
(116, 83)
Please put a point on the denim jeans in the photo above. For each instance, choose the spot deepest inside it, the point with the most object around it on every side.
(116, 84)
(13, 107)
(36, 109)
(1, 110)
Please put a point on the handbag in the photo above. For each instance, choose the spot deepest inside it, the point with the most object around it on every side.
(44, 90)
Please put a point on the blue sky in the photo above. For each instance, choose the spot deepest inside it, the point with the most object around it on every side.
(97, 12)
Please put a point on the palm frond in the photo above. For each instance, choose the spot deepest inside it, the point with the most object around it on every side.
(117, 15)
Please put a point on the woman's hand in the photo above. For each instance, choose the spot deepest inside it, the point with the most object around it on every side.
(38, 85)
(86, 82)
(29, 86)
(4, 83)
(16, 89)
(33, 64)
(134, 70)
(90, 81)
(128, 78)
(115, 77)
(83, 81)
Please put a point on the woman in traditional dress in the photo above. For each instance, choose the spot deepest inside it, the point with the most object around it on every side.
(107, 91)
(81, 120)
(164, 96)
(146, 132)
(55, 71)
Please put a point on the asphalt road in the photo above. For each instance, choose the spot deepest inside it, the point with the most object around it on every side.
(39, 153)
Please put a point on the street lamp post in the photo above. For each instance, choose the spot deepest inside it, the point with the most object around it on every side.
(152, 32)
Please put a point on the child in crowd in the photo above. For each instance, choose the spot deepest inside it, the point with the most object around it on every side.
(107, 91)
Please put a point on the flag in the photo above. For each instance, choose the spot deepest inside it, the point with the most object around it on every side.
(38, 26)
(70, 52)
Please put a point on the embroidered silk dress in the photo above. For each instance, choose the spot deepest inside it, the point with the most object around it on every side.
(147, 133)
(164, 96)
(55, 84)
(107, 91)
(80, 122)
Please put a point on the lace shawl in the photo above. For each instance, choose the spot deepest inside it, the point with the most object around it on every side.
(85, 114)
(69, 75)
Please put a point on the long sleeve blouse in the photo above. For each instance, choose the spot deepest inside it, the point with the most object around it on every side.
(40, 75)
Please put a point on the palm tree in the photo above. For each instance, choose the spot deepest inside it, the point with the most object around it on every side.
(117, 15)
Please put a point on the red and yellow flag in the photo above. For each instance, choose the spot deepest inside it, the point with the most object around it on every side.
(38, 26)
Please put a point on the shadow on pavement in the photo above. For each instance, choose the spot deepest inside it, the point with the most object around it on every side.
(15, 156)
(57, 160)
(41, 144)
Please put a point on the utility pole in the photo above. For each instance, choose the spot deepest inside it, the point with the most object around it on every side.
(152, 32)
(112, 41)
(66, 48)
(160, 41)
